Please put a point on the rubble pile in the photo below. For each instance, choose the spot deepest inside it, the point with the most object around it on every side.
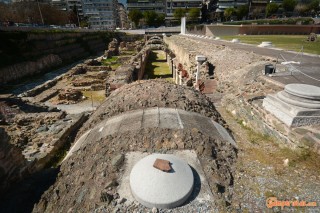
(70, 96)
(113, 49)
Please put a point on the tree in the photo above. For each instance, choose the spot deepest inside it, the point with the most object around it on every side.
(228, 13)
(179, 13)
(150, 17)
(242, 11)
(271, 9)
(313, 7)
(160, 20)
(256, 12)
(194, 13)
(135, 16)
(153, 19)
(289, 5)
(301, 9)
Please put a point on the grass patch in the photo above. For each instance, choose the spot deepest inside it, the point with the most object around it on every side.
(112, 62)
(97, 96)
(300, 158)
(286, 42)
(157, 66)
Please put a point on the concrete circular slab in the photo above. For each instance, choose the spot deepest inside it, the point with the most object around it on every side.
(235, 40)
(298, 101)
(303, 90)
(265, 44)
(155, 188)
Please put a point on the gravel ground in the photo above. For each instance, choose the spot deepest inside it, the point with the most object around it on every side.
(261, 172)
(88, 179)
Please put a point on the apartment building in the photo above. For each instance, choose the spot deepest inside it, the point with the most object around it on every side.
(102, 14)
(159, 6)
(172, 5)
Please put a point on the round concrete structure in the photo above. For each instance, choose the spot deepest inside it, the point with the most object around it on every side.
(235, 40)
(297, 101)
(155, 188)
(303, 91)
(265, 44)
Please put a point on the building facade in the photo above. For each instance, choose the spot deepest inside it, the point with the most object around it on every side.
(159, 6)
(101, 14)
(122, 19)
(172, 5)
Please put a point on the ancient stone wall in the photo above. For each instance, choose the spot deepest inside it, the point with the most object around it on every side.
(12, 163)
(27, 53)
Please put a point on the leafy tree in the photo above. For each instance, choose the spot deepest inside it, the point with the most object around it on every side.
(228, 13)
(150, 17)
(84, 22)
(289, 5)
(271, 9)
(256, 12)
(135, 16)
(314, 7)
(242, 11)
(160, 20)
(179, 13)
(301, 8)
(74, 16)
(194, 13)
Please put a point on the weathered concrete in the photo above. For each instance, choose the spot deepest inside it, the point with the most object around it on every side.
(155, 188)
(201, 190)
(297, 105)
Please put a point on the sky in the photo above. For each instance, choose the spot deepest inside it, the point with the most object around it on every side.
(124, 2)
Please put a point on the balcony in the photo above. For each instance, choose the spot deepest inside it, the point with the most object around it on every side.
(260, 1)
(146, 4)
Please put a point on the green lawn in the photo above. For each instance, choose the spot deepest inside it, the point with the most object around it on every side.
(111, 62)
(286, 42)
(157, 66)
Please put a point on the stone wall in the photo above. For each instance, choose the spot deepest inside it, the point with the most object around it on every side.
(12, 163)
(27, 53)
(184, 65)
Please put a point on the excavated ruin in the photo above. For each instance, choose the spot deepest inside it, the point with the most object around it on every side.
(152, 93)
(91, 173)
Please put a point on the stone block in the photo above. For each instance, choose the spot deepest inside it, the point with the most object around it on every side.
(297, 105)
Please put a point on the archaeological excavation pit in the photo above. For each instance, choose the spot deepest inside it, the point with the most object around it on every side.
(102, 170)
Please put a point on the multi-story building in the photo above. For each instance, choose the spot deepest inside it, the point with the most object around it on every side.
(122, 19)
(59, 4)
(101, 14)
(224, 4)
(75, 4)
(172, 5)
(159, 6)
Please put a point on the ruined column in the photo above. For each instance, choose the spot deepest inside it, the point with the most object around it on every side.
(183, 25)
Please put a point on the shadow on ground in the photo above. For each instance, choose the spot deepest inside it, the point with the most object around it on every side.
(22, 196)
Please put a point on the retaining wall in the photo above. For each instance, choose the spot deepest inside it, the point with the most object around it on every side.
(28, 53)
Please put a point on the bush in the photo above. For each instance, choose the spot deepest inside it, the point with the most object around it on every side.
(304, 21)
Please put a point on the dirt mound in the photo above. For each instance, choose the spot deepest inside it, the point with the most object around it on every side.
(153, 93)
(88, 179)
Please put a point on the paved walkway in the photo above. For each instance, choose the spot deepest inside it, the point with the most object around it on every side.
(309, 64)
